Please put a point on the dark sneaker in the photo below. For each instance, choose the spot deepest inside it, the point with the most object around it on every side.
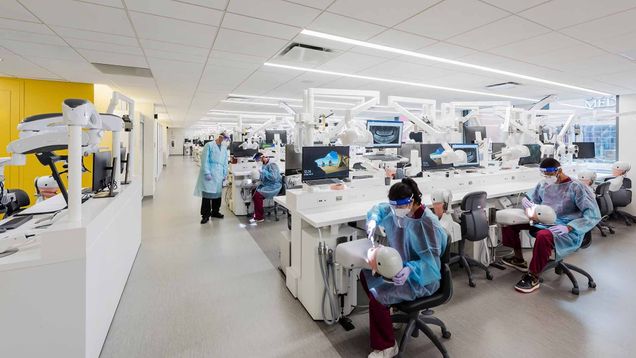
(518, 264)
(528, 283)
(217, 215)
(205, 219)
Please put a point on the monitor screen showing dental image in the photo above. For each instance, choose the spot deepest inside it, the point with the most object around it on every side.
(534, 157)
(386, 134)
(270, 134)
(587, 150)
(472, 154)
(432, 157)
(325, 162)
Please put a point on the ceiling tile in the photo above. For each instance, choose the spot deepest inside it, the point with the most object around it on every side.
(101, 46)
(537, 45)
(558, 14)
(515, 5)
(597, 65)
(24, 26)
(115, 3)
(13, 10)
(29, 49)
(437, 23)
(498, 33)
(113, 58)
(47, 39)
(177, 10)
(380, 12)
(67, 68)
(624, 79)
(318, 4)
(214, 4)
(170, 30)
(257, 26)
(401, 40)
(173, 48)
(564, 55)
(238, 58)
(622, 44)
(344, 26)
(351, 62)
(81, 16)
(275, 10)
(446, 50)
(98, 37)
(181, 57)
(405, 71)
(248, 44)
(606, 27)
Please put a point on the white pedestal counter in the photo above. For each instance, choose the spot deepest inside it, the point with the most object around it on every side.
(59, 295)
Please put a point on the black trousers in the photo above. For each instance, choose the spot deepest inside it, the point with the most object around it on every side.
(210, 206)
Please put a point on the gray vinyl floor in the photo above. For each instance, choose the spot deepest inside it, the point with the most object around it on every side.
(213, 291)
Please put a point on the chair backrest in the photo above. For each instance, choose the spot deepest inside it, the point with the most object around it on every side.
(21, 198)
(474, 221)
(446, 281)
(282, 187)
(604, 199)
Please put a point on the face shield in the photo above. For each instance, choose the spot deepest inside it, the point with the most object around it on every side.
(550, 175)
(400, 209)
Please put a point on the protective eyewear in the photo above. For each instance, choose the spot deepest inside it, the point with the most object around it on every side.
(401, 202)
(549, 172)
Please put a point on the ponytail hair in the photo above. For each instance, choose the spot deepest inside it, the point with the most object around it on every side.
(407, 188)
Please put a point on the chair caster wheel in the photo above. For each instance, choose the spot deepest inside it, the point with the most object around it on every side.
(558, 271)
(446, 334)
(603, 234)
(575, 291)
(471, 284)
(591, 284)
(541, 279)
(489, 276)
(612, 231)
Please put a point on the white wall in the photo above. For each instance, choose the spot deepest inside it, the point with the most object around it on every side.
(176, 138)
(626, 130)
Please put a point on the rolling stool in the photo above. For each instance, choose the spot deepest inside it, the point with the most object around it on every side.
(561, 267)
(417, 314)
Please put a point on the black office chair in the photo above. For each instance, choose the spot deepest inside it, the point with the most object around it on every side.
(417, 314)
(561, 267)
(474, 224)
(606, 207)
(621, 199)
(20, 203)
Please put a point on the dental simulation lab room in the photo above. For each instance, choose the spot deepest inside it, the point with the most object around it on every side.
(317, 178)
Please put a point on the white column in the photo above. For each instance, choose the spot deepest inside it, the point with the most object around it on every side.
(626, 129)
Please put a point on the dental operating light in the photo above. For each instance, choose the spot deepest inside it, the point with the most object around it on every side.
(445, 60)
(387, 80)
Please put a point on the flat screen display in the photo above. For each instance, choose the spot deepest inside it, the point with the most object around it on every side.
(535, 155)
(386, 134)
(325, 162)
(432, 157)
(472, 154)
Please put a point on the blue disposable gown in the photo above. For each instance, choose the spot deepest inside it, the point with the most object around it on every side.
(271, 181)
(214, 162)
(420, 242)
(575, 206)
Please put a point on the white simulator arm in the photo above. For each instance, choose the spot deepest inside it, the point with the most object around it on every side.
(428, 107)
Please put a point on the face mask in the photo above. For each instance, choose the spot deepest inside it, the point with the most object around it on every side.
(402, 212)
(550, 180)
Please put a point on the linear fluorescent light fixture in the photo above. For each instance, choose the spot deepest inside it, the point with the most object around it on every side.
(285, 99)
(416, 84)
(444, 60)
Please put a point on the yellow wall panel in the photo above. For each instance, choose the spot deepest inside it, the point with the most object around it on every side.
(35, 97)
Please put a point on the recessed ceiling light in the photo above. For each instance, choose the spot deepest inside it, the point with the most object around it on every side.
(444, 60)
(415, 84)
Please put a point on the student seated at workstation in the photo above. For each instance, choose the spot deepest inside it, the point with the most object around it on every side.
(270, 184)
(577, 213)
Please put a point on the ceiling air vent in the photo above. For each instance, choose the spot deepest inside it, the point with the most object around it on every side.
(307, 54)
(123, 70)
(503, 86)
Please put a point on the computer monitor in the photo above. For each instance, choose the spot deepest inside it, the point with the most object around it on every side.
(238, 152)
(293, 161)
(417, 136)
(432, 157)
(270, 134)
(497, 148)
(535, 155)
(386, 134)
(470, 133)
(325, 162)
(101, 170)
(587, 150)
(472, 154)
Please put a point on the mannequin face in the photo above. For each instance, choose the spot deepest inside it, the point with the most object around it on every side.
(438, 209)
(617, 172)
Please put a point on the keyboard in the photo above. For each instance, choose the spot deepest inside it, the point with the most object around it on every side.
(383, 157)
(16, 222)
(323, 181)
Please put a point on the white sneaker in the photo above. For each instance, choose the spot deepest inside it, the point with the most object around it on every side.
(387, 353)
(254, 221)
